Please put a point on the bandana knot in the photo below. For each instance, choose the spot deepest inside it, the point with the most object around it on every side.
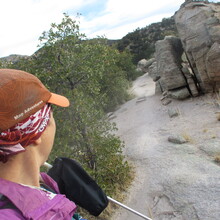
(10, 137)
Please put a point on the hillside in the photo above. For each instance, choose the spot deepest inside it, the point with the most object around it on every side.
(141, 42)
(13, 58)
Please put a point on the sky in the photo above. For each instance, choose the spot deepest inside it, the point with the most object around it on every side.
(22, 22)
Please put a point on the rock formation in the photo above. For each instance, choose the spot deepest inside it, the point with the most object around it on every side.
(168, 53)
(189, 65)
(144, 64)
(199, 30)
(173, 77)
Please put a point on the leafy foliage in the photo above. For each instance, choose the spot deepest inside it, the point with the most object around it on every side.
(93, 76)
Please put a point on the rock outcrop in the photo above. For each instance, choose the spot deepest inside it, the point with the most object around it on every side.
(199, 30)
(168, 53)
(189, 65)
(173, 77)
(168, 56)
(144, 64)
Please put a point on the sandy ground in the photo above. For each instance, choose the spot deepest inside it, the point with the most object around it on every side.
(144, 125)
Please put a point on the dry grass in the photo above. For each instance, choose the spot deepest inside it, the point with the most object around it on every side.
(187, 137)
(217, 158)
(213, 136)
(218, 116)
(205, 130)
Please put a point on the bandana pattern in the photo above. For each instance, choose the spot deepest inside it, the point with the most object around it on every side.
(15, 139)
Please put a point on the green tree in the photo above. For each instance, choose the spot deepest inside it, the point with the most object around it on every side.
(92, 75)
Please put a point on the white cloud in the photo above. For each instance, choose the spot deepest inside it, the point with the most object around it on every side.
(121, 31)
(23, 21)
(121, 17)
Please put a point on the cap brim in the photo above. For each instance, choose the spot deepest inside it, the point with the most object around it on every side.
(58, 100)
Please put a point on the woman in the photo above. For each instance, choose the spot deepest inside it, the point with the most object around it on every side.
(27, 130)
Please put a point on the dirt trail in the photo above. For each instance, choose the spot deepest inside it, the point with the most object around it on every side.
(167, 173)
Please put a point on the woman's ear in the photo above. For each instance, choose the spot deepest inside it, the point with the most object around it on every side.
(38, 141)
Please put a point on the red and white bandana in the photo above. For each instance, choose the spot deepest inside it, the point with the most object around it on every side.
(15, 139)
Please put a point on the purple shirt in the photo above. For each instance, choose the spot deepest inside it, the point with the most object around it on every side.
(34, 203)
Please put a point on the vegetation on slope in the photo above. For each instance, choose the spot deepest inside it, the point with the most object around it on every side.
(141, 42)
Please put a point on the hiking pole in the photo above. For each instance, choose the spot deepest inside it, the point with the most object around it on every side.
(128, 208)
(49, 166)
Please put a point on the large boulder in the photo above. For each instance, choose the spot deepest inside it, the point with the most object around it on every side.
(144, 64)
(152, 71)
(213, 64)
(199, 30)
(180, 94)
(168, 56)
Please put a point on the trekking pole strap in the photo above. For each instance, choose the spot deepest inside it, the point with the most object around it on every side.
(128, 208)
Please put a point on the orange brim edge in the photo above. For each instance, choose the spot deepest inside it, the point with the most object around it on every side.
(58, 100)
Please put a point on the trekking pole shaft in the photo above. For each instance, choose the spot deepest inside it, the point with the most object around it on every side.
(47, 165)
(129, 209)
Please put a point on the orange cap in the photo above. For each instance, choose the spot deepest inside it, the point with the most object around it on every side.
(21, 95)
(58, 100)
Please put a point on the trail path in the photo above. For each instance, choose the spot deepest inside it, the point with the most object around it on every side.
(173, 181)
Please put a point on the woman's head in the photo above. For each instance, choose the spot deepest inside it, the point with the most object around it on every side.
(21, 95)
(24, 110)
